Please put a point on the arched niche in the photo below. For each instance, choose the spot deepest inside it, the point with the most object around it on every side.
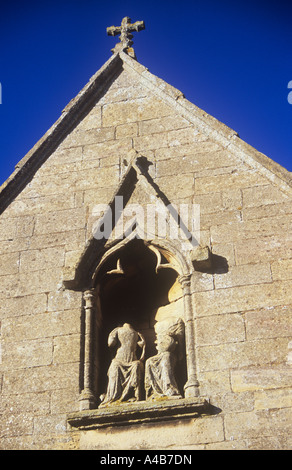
(146, 284)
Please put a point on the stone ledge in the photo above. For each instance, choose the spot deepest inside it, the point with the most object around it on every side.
(144, 412)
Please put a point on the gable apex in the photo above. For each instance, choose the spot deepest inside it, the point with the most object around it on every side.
(96, 87)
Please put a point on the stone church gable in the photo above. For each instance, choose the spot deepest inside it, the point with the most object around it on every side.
(129, 134)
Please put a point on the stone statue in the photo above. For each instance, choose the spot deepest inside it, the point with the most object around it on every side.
(125, 374)
(160, 378)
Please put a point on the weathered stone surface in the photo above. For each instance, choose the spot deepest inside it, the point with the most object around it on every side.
(240, 305)
(23, 305)
(42, 325)
(281, 269)
(220, 329)
(269, 322)
(243, 275)
(242, 354)
(9, 264)
(273, 399)
(250, 424)
(243, 179)
(266, 248)
(25, 354)
(135, 110)
(254, 229)
(261, 378)
(40, 379)
(188, 434)
(267, 194)
(241, 298)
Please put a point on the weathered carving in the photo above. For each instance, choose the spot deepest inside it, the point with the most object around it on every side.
(125, 31)
(160, 380)
(125, 374)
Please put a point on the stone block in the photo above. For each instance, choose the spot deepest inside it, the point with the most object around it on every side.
(281, 269)
(236, 180)
(219, 218)
(196, 148)
(140, 109)
(271, 322)
(219, 329)
(224, 251)
(127, 130)
(243, 275)
(92, 120)
(209, 203)
(256, 228)
(232, 199)
(40, 204)
(64, 401)
(176, 189)
(233, 402)
(242, 298)
(106, 149)
(36, 282)
(14, 244)
(85, 137)
(201, 257)
(25, 305)
(123, 94)
(269, 248)
(42, 325)
(34, 260)
(26, 354)
(71, 240)
(162, 124)
(66, 347)
(190, 433)
(266, 194)
(28, 403)
(61, 221)
(9, 264)
(17, 425)
(50, 425)
(267, 377)
(41, 379)
(241, 354)
(61, 157)
(150, 142)
(182, 136)
(214, 382)
(250, 425)
(7, 228)
(273, 399)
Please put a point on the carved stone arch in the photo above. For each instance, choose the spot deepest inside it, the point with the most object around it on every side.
(171, 258)
(166, 274)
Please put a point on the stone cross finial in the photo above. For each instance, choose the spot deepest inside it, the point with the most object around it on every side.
(125, 31)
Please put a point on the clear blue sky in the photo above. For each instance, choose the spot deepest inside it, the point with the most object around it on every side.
(230, 58)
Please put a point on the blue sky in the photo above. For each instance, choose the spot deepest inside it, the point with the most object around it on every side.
(230, 58)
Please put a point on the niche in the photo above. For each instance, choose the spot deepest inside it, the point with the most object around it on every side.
(134, 288)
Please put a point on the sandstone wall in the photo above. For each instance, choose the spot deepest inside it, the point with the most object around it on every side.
(242, 309)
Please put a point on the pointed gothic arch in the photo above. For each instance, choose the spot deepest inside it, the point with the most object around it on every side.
(142, 283)
(103, 273)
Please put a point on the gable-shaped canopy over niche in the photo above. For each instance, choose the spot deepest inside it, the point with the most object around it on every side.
(143, 283)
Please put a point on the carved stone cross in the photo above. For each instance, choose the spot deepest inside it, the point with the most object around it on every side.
(125, 31)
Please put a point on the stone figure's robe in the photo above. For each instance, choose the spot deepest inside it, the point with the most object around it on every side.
(125, 374)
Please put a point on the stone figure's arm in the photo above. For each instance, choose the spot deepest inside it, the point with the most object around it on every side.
(142, 345)
(112, 339)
